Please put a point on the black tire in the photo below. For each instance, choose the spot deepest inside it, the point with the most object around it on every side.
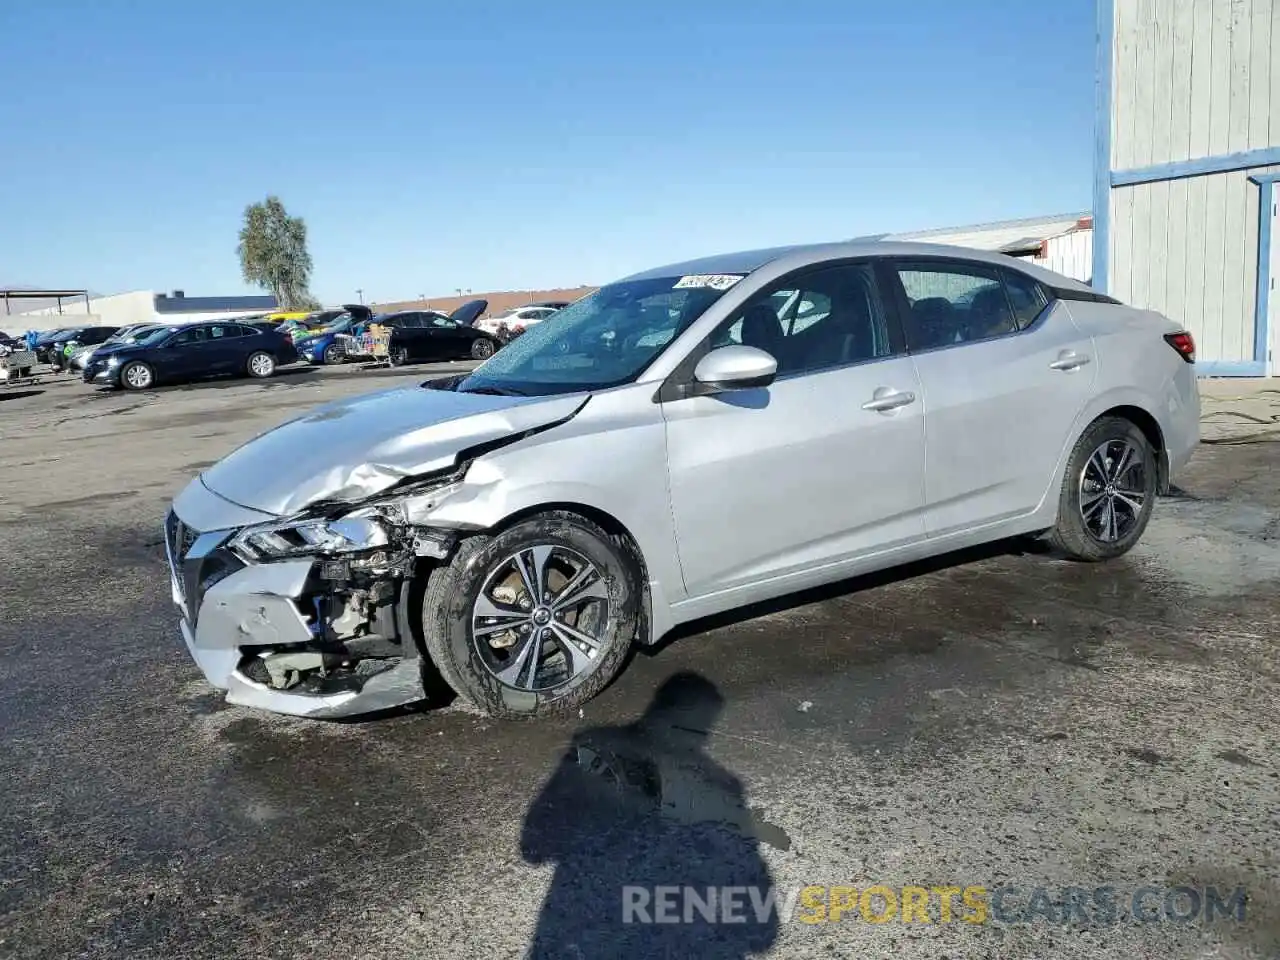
(398, 356)
(453, 589)
(1072, 536)
(332, 354)
(482, 348)
(141, 382)
(260, 365)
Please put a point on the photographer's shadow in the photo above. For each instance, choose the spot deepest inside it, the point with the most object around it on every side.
(656, 854)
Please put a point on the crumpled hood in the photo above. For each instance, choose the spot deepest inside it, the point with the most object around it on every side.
(355, 448)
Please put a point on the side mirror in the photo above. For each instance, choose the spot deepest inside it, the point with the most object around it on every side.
(736, 368)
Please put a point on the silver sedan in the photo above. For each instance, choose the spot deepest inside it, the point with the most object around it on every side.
(683, 442)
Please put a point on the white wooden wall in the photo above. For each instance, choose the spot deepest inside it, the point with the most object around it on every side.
(1193, 78)
(1188, 248)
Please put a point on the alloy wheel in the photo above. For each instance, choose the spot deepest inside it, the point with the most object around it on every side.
(541, 617)
(1113, 490)
(138, 376)
(261, 365)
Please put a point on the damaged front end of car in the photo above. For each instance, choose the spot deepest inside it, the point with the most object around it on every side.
(313, 615)
(298, 562)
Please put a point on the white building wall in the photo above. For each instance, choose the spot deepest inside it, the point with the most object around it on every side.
(1070, 255)
(1189, 248)
(120, 310)
(1192, 79)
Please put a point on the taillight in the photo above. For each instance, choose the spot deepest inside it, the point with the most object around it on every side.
(1184, 343)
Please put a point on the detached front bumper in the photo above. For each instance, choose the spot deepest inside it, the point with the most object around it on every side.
(233, 613)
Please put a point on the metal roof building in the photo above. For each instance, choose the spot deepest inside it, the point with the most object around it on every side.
(1062, 243)
(140, 306)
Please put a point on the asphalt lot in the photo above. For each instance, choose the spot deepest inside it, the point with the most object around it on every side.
(993, 718)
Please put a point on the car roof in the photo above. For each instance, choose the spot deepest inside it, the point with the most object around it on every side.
(787, 258)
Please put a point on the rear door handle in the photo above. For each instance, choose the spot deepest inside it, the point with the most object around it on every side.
(1068, 361)
(886, 398)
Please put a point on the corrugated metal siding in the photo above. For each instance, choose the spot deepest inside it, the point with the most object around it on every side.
(1194, 78)
(1070, 255)
(1188, 248)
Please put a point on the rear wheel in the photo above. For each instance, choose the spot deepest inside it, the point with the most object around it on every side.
(534, 620)
(261, 365)
(482, 348)
(1108, 492)
(137, 376)
(398, 356)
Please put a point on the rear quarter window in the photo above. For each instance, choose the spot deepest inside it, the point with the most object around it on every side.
(1026, 297)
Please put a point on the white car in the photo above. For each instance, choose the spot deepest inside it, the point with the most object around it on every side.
(683, 442)
(511, 323)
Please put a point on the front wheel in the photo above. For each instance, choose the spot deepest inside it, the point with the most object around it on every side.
(137, 376)
(332, 354)
(1108, 492)
(536, 619)
(261, 365)
(482, 348)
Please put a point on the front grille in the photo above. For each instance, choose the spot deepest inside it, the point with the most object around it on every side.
(197, 570)
(178, 538)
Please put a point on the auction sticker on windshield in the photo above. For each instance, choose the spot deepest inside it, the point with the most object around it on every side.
(716, 281)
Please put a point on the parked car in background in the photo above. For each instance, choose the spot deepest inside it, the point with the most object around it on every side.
(131, 334)
(312, 323)
(358, 344)
(544, 513)
(322, 346)
(189, 352)
(45, 340)
(436, 337)
(511, 323)
(61, 348)
(287, 316)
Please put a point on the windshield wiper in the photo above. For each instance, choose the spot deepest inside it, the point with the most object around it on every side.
(495, 391)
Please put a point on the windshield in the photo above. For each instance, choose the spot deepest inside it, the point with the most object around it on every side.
(601, 341)
(154, 336)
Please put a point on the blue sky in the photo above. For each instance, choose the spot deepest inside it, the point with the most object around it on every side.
(493, 145)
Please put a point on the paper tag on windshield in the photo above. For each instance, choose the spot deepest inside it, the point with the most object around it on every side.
(716, 281)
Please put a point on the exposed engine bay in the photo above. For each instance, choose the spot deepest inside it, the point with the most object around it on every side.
(356, 608)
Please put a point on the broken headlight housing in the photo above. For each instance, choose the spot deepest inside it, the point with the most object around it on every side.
(309, 537)
(367, 526)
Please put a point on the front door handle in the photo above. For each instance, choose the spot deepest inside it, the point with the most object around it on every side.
(1069, 360)
(886, 398)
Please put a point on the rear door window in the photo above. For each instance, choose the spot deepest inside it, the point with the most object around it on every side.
(953, 303)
